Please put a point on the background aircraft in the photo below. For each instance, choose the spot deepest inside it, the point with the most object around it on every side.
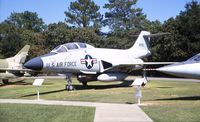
(91, 64)
(189, 68)
(12, 67)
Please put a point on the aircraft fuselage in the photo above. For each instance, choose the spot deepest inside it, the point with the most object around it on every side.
(190, 70)
(86, 60)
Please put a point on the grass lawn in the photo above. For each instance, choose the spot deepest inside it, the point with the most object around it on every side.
(54, 89)
(44, 113)
(172, 101)
(163, 100)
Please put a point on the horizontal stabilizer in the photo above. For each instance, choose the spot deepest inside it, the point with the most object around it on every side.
(157, 34)
(158, 63)
(153, 35)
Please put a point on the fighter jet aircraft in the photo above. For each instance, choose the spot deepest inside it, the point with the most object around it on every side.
(189, 68)
(12, 67)
(90, 63)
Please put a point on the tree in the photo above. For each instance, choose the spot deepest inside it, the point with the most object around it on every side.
(60, 33)
(184, 40)
(10, 40)
(26, 20)
(84, 13)
(21, 29)
(188, 24)
(123, 15)
(86, 35)
(124, 20)
(56, 34)
(36, 40)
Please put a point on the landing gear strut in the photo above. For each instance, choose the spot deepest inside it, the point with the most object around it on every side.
(5, 81)
(84, 83)
(144, 76)
(69, 86)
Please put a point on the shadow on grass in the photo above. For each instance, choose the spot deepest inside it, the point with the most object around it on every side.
(43, 93)
(164, 87)
(181, 98)
(81, 87)
(129, 103)
(99, 87)
(15, 83)
(45, 83)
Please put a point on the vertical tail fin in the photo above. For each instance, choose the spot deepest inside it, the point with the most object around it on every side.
(141, 46)
(20, 57)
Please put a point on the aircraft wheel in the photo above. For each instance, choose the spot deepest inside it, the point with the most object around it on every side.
(5, 81)
(143, 84)
(84, 83)
(69, 88)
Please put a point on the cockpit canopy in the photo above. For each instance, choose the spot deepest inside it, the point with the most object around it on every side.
(70, 46)
(195, 58)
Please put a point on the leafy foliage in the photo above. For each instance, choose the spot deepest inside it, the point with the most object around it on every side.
(26, 20)
(124, 19)
(10, 40)
(184, 40)
(60, 33)
(83, 13)
(123, 15)
(84, 21)
(20, 29)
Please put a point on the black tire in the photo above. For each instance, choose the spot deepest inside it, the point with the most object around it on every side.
(84, 83)
(69, 88)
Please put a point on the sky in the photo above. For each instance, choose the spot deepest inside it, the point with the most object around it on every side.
(52, 11)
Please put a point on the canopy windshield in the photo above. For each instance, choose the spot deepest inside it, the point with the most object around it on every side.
(195, 58)
(71, 46)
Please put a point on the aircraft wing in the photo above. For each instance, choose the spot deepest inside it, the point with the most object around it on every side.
(129, 66)
(9, 72)
(158, 63)
(10, 69)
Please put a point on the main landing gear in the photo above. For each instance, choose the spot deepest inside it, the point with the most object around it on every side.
(5, 81)
(84, 83)
(69, 86)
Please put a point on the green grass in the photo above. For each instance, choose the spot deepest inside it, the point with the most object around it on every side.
(54, 90)
(172, 101)
(174, 112)
(44, 113)
(163, 100)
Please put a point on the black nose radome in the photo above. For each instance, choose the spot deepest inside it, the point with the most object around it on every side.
(34, 64)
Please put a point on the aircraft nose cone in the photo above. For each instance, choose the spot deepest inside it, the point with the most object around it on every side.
(167, 69)
(34, 64)
(173, 69)
(164, 69)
